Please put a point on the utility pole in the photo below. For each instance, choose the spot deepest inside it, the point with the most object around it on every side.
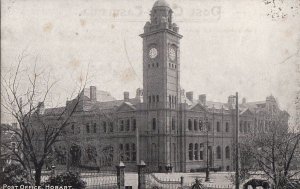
(237, 179)
(207, 151)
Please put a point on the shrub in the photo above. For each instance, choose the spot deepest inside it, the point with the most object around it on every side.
(67, 179)
(15, 175)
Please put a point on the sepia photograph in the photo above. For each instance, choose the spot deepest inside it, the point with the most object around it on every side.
(150, 94)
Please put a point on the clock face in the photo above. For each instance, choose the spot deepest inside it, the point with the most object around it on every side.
(172, 54)
(153, 53)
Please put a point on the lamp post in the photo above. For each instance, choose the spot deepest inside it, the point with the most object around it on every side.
(207, 151)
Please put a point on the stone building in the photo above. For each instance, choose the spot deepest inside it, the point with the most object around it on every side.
(161, 124)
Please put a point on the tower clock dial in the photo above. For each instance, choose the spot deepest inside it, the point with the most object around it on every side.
(153, 53)
(172, 53)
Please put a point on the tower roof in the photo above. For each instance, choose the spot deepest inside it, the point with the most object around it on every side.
(161, 3)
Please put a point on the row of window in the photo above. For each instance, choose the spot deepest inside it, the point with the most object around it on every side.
(172, 66)
(196, 152)
(124, 125)
(153, 64)
(127, 152)
(173, 123)
(199, 125)
(172, 101)
(153, 99)
(245, 127)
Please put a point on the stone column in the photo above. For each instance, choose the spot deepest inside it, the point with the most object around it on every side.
(141, 175)
(121, 175)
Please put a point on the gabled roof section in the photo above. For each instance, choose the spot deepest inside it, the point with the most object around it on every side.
(126, 106)
(246, 111)
(197, 107)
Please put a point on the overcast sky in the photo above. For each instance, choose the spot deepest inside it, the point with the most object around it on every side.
(228, 46)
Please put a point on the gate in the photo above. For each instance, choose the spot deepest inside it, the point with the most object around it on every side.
(147, 179)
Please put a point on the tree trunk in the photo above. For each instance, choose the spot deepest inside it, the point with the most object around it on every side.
(37, 176)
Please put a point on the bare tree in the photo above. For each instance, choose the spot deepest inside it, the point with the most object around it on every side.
(273, 151)
(37, 131)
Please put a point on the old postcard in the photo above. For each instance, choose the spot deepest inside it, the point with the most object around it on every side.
(150, 94)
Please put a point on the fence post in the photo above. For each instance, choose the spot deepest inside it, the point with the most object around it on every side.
(181, 181)
(120, 175)
(141, 175)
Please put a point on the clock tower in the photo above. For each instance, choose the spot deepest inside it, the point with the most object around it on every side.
(161, 58)
(161, 85)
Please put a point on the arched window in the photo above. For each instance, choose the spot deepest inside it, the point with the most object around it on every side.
(218, 151)
(195, 124)
(157, 98)
(201, 151)
(170, 103)
(245, 127)
(196, 152)
(153, 152)
(133, 152)
(190, 124)
(121, 125)
(153, 123)
(227, 127)
(173, 123)
(200, 125)
(227, 152)
(218, 126)
(127, 152)
(191, 151)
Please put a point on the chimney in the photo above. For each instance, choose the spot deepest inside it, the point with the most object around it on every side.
(40, 108)
(126, 96)
(189, 95)
(202, 99)
(93, 93)
(231, 100)
(244, 100)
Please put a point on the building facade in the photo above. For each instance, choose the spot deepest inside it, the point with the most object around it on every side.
(161, 124)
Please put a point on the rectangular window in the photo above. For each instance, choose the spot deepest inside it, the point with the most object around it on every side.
(87, 128)
(104, 127)
(121, 149)
(111, 127)
(173, 123)
(133, 124)
(127, 124)
(122, 125)
(218, 126)
(153, 124)
(95, 128)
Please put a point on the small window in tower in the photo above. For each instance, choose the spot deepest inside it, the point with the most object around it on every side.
(156, 64)
(153, 98)
(152, 64)
(175, 66)
(157, 98)
(170, 65)
(149, 66)
(149, 97)
(153, 123)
